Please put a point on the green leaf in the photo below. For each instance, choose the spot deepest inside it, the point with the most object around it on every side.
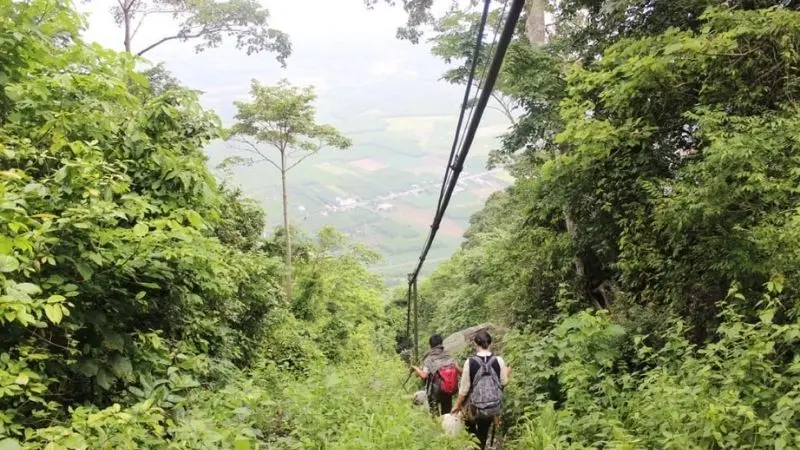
(114, 341)
(74, 441)
(8, 263)
(136, 391)
(195, 219)
(22, 379)
(121, 367)
(54, 312)
(766, 316)
(140, 230)
(55, 299)
(13, 93)
(28, 288)
(10, 444)
(87, 368)
(241, 444)
(6, 245)
(104, 379)
(85, 271)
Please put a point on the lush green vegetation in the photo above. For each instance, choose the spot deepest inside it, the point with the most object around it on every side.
(141, 305)
(646, 256)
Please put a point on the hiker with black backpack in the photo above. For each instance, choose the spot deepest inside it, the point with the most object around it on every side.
(440, 372)
(484, 377)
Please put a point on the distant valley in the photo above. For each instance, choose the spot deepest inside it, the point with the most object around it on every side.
(383, 191)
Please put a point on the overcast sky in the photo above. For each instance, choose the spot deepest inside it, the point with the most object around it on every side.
(348, 52)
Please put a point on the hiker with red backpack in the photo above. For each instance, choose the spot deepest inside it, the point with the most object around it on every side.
(480, 394)
(440, 372)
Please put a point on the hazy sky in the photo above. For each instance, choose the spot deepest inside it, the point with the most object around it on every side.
(348, 52)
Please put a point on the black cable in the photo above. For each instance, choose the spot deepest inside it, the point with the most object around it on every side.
(408, 344)
(485, 66)
(475, 54)
(480, 107)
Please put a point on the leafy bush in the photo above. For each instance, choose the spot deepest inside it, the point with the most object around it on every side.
(111, 270)
(577, 387)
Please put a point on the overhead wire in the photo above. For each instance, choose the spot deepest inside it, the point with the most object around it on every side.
(485, 66)
(465, 102)
(480, 106)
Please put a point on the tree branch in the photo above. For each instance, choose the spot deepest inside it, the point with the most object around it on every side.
(48, 340)
(254, 149)
(300, 160)
(139, 25)
(505, 110)
(170, 38)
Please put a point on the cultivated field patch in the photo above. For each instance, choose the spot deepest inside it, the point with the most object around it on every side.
(367, 164)
(422, 218)
(332, 169)
(429, 164)
(423, 128)
(483, 192)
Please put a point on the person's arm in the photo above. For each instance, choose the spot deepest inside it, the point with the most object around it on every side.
(419, 372)
(504, 371)
(459, 404)
(463, 388)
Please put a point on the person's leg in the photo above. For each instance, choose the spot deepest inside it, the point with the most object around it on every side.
(482, 430)
(433, 406)
(472, 428)
(446, 402)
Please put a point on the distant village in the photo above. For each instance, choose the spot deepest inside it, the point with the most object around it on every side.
(384, 203)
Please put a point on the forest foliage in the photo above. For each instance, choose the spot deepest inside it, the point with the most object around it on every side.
(646, 256)
(142, 305)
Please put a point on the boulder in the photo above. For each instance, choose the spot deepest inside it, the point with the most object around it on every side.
(460, 341)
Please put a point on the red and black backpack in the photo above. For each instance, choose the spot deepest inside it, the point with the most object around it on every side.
(446, 380)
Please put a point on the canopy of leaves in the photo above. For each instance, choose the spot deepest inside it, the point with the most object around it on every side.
(418, 15)
(282, 117)
(206, 21)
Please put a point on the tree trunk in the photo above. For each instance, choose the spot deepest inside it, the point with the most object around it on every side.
(534, 25)
(287, 254)
(126, 17)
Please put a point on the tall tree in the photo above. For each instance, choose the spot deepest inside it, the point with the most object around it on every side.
(282, 118)
(206, 21)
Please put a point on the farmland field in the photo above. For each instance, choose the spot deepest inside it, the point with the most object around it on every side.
(383, 191)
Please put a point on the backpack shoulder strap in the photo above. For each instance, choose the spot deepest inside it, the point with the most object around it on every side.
(480, 363)
(492, 363)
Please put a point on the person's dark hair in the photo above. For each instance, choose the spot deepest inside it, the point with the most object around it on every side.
(436, 340)
(483, 339)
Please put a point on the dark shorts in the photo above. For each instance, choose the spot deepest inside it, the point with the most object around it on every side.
(440, 403)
